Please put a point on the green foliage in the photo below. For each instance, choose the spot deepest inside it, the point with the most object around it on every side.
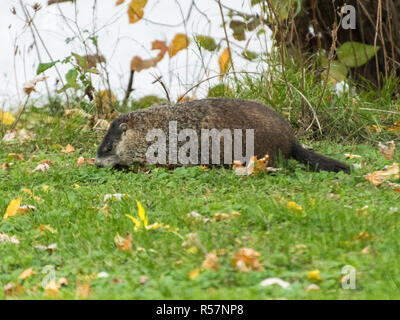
(146, 102)
(220, 90)
(206, 42)
(356, 54)
(45, 66)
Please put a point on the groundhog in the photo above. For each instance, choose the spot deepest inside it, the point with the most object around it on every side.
(205, 132)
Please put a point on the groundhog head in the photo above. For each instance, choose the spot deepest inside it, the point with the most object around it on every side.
(117, 148)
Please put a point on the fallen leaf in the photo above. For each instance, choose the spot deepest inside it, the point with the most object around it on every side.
(12, 208)
(272, 281)
(80, 162)
(378, 177)
(26, 274)
(6, 118)
(246, 259)
(123, 244)
(196, 217)
(226, 216)
(312, 287)
(12, 289)
(115, 197)
(314, 275)
(50, 248)
(46, 227)
(16, 156)
(143, 279)
(211, 261)
(51, 288)
(83, 290)
(364, 236)
(194, 274)
(68, 149)
(5, 166)
(6, 238)
(26, 208)
(351, 156)
(387, 151)
(41, 167)
(366, 250)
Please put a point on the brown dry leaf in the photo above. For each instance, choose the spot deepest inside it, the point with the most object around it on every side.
(351, 156)
(123, 244)
(80, 162)
(12, 289)
(366, 250)
(143, 279)
(119, 2)
(62, 282)
(246, 259)
(135, 10)
(211, 261)
(50, 248)
(42, 167)
(254, 166)
(224, 62)
(226, 216)
(30, 86)
(395, 128)
(12, 208)
(26, 209)
(387, 151)
(26, 274)
(5, 166)
(46, 161)
(68, 149)
(51, 289)
(378, 177)
(6, 238)
(138, 64)
(16, 156)
(261, 164)
(92, 60)
(180, 42)
(82, 290)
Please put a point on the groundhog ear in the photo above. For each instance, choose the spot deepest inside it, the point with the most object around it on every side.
(123, 127)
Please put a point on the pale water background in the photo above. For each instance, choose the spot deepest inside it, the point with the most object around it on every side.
(119, 41)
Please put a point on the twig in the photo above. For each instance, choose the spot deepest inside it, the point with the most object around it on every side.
(130, 87)
(20, 113)
(226, 34)
(158, 79)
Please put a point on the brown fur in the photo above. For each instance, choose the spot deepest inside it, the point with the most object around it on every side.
(272, 135)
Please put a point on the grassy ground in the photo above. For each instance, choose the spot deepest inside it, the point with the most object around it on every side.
(324, 235)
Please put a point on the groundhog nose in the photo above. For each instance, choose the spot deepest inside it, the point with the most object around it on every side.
(98, 163)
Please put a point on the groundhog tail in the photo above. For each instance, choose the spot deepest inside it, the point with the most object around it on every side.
(317, 161)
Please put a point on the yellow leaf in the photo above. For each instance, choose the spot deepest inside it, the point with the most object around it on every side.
(154, 226)
(294, 206)
(6, 118)
(135, 10)
(224, 61)
(193, 275)
(119, 2)
(26, 274)
(12, 208)
(135, 221)
(314, 275)
(142, 214)
(46, 227)
(192, 250)
(180, 42)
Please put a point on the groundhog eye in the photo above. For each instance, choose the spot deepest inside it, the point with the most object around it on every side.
(109, 148)
(123, 127)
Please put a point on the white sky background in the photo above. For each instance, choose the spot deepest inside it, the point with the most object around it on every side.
(119, 41)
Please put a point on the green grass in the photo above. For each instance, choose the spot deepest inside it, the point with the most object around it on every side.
(73, 204)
